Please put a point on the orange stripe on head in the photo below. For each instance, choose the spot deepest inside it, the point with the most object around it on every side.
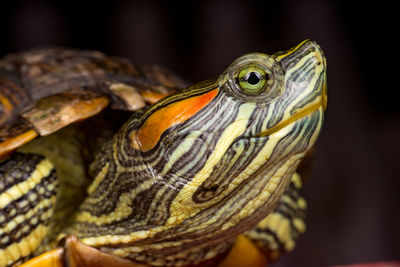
(147, 136)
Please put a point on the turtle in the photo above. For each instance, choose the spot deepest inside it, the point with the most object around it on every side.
(107, 163)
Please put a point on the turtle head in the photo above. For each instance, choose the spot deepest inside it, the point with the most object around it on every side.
(238, 137)
(209, 162)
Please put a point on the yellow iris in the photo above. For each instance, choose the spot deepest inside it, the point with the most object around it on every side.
(252, 79)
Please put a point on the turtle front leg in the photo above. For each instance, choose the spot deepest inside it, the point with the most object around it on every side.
(278, 232)
(28, 188)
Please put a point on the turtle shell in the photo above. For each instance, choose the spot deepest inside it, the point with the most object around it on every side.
(43, 90)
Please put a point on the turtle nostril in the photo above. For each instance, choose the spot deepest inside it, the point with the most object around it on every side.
(318, 58)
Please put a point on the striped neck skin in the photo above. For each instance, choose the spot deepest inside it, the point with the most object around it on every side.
(183, 178)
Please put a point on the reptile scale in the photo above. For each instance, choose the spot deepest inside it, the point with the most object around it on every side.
(105, 163)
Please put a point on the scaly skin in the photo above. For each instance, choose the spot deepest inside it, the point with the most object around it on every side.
(183, 178)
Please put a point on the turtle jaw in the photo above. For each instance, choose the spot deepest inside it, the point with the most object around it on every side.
(296, 118)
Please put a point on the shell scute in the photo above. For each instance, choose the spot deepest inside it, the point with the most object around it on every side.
(45, 89)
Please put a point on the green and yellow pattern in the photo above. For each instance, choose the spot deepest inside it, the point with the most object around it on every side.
(184, 177)
(28, 188)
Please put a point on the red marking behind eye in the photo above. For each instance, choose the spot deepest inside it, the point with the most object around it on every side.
(150, 132)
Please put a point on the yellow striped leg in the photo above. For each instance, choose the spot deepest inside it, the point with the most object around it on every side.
(28, 188)
(278, 232)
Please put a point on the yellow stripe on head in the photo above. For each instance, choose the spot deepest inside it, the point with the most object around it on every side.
(291, 50)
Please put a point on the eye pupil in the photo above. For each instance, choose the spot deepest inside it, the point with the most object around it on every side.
(253, 78)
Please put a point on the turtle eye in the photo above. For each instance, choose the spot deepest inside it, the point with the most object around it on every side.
(252, 80)
(255, 77)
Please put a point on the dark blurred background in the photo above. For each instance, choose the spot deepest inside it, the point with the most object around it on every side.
(353, 192)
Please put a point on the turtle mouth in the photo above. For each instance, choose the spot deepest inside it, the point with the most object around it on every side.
(299, 115)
